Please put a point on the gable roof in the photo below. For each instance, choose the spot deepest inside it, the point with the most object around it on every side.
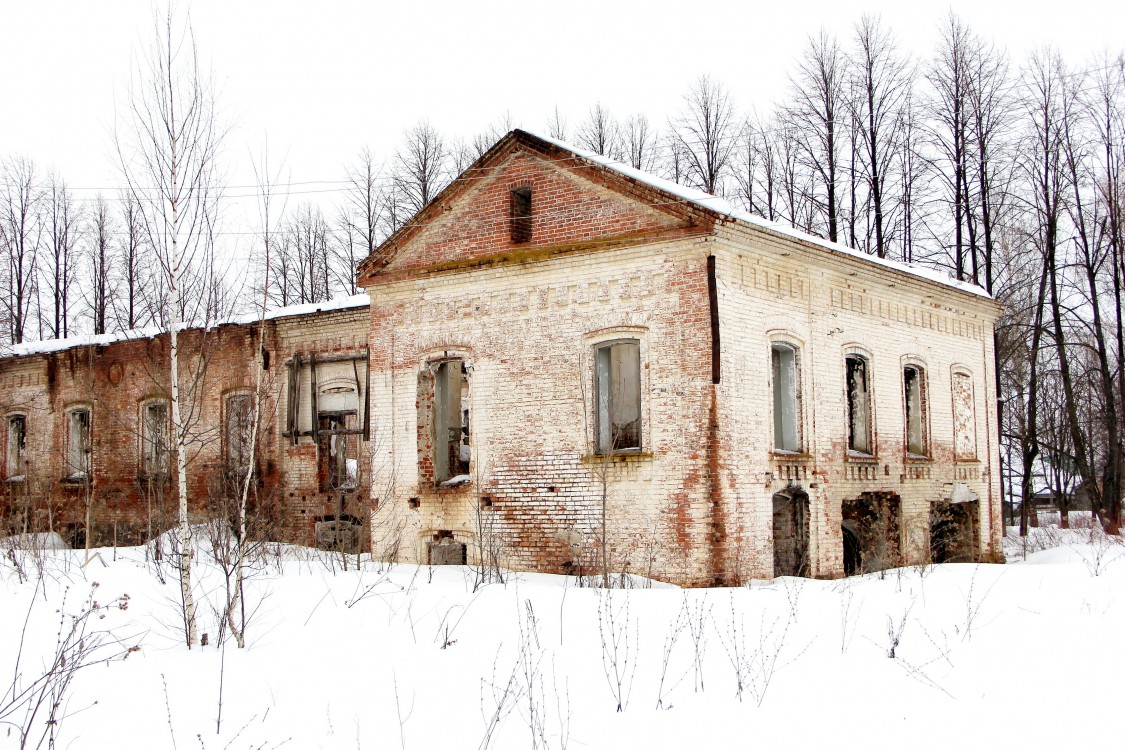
(665, 194)
(555, 155)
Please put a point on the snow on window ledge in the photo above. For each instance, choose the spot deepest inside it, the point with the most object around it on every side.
(455, 481)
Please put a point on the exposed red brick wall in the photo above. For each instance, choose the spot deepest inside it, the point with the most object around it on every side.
(114, 380)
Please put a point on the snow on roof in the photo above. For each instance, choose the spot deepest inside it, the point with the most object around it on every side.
(725, 207)
(147, 332)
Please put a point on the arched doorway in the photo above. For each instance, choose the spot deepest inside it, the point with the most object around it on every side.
(791, 533)
(873, 521)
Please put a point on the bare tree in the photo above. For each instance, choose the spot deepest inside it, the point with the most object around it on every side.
(600, 133)
(302, 259)
(991, 113)
(100, 259)
(22, 235)
(167, 151)
(949, 78)
(705, 133)
(421, 170)
(757, 171)
(364, 200)
(639, 143)
(1046, 109)
(883, 80)
(1083, 143)
(130, 306)
(818, 94)
(556, 125)
(63, 219)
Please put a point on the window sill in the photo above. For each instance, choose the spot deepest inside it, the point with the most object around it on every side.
(76, 480)
(780, 455)
(619, 457)
(20, 479)
(861, 457)
(918, 458)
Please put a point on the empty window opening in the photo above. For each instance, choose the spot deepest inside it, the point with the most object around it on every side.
(338, 451)
(618, 393)
(786, 399)
(78, 445)
(859, 405)
(874, 519)
(237, 435)
(17, 448)
(154, 439)
(451, 423)
(953, 532)
(521, 214)
(791, 534)
(913, 382)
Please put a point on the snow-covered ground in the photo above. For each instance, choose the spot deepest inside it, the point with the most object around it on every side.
(1026, 654)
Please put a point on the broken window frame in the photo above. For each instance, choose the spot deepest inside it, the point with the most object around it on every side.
(858, 407)
(296, 368)
(612, 438)
(238, 451)
(155, 448)
(16, 458)
(785, 391)
(450, 426)
(915, 411)
(79, 444)
(521, 213)
(336, 449)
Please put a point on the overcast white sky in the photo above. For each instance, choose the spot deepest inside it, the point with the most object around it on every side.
(326, 78)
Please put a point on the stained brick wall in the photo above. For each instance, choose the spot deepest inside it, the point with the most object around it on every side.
(528, 343)
(113, 381)
(612, 267)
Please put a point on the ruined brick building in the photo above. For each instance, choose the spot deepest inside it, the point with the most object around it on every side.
(87, 424)
(564, 358)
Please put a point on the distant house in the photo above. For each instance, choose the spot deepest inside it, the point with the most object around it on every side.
(573, 359)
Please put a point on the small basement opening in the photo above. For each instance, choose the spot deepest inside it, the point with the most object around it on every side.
(443, 549)
(874, 520)
(791, 533)
(342, 533)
